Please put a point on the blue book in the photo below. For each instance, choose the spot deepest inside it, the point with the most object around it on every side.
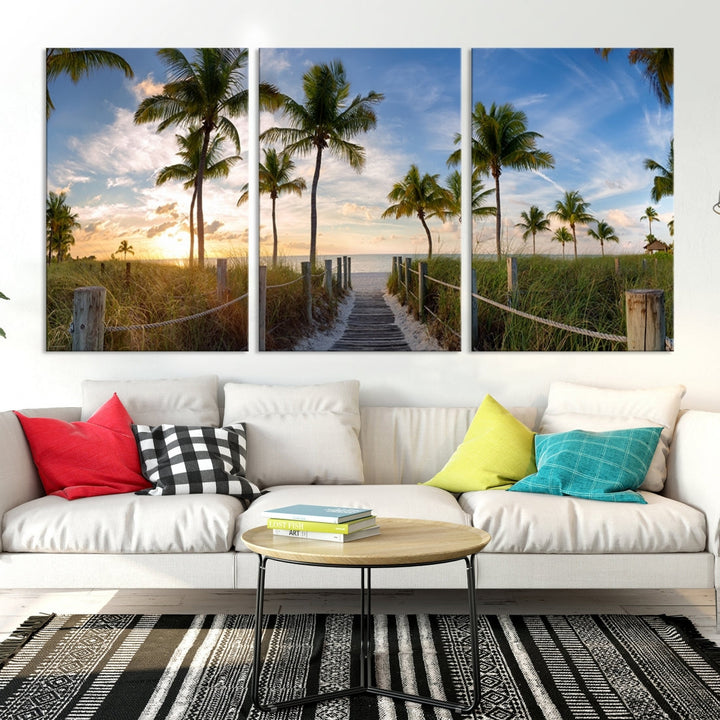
(318, 513)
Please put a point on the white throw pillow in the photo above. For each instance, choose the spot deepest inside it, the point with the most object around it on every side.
(182, 401)
(582, 407)
(299, 434)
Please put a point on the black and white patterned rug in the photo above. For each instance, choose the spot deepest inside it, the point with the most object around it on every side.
(181, 667)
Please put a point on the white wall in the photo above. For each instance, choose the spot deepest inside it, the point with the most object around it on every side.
(32, 377)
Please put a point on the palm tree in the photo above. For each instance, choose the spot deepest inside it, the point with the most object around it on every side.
(60, 222)
(650, 215)
(573, 210)
(501, 139)
(274, 176)
(208, 92)
(604, 233)
(657, 66)
(190, 151)
(419, 195)
(124, 248)
(328, 119)
(76, 63)
(663, 182)
(562, 235)
(534, 221)
(479, 196)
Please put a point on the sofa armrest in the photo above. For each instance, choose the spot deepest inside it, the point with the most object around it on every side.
(694, 470)
(19, 481)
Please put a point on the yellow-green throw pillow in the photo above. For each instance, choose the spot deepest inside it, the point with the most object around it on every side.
(497, 451)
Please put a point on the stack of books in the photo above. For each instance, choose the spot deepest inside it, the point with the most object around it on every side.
(317, 522)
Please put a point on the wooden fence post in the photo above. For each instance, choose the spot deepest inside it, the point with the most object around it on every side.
(407, 279)
(422, 289)
(645, 319)
(512, 280)
(349, 272)
(474, 308)
(617, 265)
(262, 306)
(328, 277)
(88, 329)
(345, 272)
(339, 274)
(307, 289)
(221, 277)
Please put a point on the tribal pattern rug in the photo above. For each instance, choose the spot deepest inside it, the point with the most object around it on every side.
(180, 667)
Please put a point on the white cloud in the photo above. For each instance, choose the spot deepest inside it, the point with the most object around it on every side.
(124, 148)
(145, 88)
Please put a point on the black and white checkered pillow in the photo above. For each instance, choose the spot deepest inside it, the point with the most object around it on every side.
(180, 460)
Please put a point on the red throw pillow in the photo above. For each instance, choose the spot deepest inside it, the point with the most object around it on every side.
(82, 459)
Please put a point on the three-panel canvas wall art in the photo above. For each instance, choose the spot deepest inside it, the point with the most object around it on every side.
(353, 196)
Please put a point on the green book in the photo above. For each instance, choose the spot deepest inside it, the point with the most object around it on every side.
(346, 528)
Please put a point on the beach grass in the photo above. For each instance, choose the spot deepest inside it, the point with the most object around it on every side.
(145, 292)
(587, 293)
(151, 292)
(286, 321)
(441, 302)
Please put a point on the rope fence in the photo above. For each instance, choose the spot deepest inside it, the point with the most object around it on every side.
(645, 309)
(174, 321)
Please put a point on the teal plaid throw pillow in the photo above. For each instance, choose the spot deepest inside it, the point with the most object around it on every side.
(594, 465)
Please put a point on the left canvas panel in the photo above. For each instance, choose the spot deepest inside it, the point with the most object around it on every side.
(146, 244)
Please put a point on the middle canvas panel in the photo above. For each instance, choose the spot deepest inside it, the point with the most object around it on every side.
(359, 181)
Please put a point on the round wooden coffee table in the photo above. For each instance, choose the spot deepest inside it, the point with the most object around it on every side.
(401, 543)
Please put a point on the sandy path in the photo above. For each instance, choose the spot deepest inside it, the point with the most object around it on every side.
(414, 332)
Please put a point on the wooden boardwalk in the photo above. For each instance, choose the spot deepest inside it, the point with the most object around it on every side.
(371, 325)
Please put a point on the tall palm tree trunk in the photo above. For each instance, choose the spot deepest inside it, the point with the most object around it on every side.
(275, 234)
(199, 186)
(192, 227)
(533, 242)
(421, 215)
(313, 207)
(572, 227)
(498, 215)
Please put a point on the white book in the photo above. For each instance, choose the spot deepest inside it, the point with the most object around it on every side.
(332, 537)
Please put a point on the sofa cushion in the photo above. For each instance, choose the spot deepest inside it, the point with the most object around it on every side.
(182, 401)
(82, 459)
(126, 523)
(187, 460)
(581, 407)
(411, 444)
(532, 523)
(606, 466)
(403, 501)
(298, 434)
(496, 451)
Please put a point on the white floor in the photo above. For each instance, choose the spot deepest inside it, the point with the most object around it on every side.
(698, 605)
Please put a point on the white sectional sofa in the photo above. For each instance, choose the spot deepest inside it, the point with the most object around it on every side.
(538, 541)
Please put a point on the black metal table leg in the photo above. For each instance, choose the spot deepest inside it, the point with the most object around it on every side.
(366, 652)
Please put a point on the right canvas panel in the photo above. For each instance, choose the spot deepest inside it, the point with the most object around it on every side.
(572, 198)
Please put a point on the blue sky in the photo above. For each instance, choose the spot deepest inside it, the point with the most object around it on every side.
(599, 119)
